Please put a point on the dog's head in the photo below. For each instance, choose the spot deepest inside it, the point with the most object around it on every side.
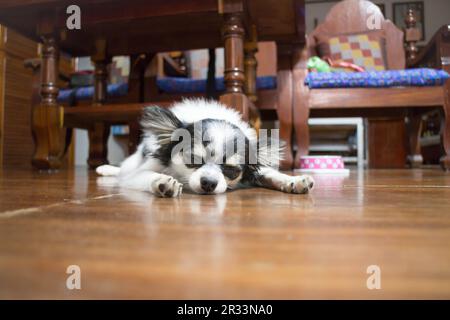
(208, 156)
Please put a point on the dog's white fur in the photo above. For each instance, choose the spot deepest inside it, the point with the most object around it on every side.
(142, 171)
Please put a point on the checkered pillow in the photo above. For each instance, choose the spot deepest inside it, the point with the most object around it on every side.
(365, 49)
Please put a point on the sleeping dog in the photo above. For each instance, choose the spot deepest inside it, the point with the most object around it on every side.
(205, 147)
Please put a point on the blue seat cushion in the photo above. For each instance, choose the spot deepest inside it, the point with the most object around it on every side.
(187, 85)
(377, 79)
(165, 84)
(86, 93)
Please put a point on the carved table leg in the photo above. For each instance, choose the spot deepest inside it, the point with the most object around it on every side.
(99, 133)
(233, 35)
(414, 128)
(46, 117)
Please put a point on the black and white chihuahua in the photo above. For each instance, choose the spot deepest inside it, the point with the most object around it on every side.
(205, 147)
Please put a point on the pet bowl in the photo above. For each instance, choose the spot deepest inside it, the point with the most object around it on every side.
(323, 164)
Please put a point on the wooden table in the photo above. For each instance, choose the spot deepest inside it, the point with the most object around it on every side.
(112, 27)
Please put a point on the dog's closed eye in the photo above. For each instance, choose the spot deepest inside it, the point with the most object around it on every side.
(231, 172)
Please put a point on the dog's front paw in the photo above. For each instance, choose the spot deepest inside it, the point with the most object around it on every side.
(298, 184)
(166, 186)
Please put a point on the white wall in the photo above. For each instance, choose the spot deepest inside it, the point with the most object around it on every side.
(437, 13)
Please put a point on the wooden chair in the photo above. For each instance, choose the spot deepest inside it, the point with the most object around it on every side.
(349, 17)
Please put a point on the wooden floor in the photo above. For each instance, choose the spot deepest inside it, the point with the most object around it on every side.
(251, 243)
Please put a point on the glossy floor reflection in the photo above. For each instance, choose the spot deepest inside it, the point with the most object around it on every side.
(251, 243)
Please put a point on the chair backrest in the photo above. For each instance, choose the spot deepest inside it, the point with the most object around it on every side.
(352, 16)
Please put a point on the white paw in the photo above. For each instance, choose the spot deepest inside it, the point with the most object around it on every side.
(166, 186)
(107, 170)
(298, 184)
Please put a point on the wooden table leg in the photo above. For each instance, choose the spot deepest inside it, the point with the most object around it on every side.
(46, 117)
(99, 133)
(233, 35)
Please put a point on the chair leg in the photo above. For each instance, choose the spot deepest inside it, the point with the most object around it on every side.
(284, 108)
(134, 136)
(414, 129)
(98, 141)
(250, 66)
(445, 159)
(301, 115)
(99, 133)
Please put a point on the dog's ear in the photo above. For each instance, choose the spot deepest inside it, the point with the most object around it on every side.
(160, 122)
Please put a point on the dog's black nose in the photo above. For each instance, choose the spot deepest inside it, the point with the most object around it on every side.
(208, 184)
